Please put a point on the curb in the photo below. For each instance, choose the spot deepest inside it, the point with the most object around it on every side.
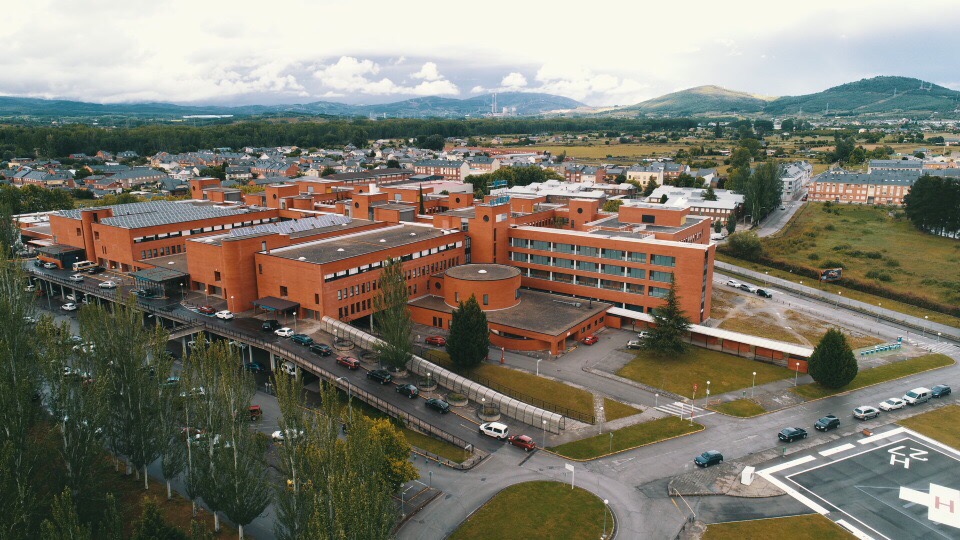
(584, 460)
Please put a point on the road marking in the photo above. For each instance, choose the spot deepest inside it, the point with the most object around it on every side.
(883, 435)
(678, 408)
(787, 465)
(794, 493)
(853, 530)
(836, 450)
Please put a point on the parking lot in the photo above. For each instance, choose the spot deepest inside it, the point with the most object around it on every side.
(894, 485)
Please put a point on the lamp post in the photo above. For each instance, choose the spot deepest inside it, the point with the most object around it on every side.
(605, 503)
(925, 319)
(294, 322)
(766, 279)
(601, 420)
(656, 401)
(707, 402)
(938, 337)
(839, 294)
(796, 372)
(429, 385)
(878, 312)
(182, 294)
(544, 436)
(753, 387)
(230, 307)
(538, 366)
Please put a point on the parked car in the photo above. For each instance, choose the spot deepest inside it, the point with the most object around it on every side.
(76, 277)
(783, 207)
(409, 390)
(301, 339)
(866, 412)
(49, 265)
(827, 423)
(708, 458)
(438, 405)
(732, 283)
(270, 325)
(634, 344)
(439, 341)
(96, 270)
(764, 293)
(280, 436)
(69, 306)
(381, 376)
(522, 441)
(643, 335)
(207, 310)
(350, 363)
(71, 297)
(748, 288)
(225, 314)
(107, 284)
(284, 332)
(255, 412)
(253, 367)
(289, 368)
(917, 395)
(495, 430)
(590, 340)
(791, 434)
(321, 348)
(940, 390)
(892, 404)
(30, 288)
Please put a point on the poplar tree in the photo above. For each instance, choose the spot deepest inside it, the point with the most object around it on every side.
(294, 499)
(833, 363)
(469, 340)
(391, 316)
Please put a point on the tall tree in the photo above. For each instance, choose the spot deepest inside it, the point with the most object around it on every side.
(469, 340)
(744, 245)
(717, 226)
(833, 363)
(670, 326)
(732, 223)
(710, 194)
(396, 451)
(65, 524)
(294, 502)
(391, 316)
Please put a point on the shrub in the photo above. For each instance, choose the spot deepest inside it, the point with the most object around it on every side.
(874, 255)
(813, 257)
(879, 275)
(834, 264)
(830, 227)
(893, 263)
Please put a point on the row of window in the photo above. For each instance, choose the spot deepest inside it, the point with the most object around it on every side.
(588, 251)
(587, 266)
(201, 230)
(160, 252)
(598, 283)
(404, 258)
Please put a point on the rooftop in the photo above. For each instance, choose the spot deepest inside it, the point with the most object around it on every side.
(294, 229)
(482, 272)
(353, 245)
(153, 213)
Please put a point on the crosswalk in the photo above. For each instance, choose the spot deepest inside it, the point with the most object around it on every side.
(943, 348)
(683, 410)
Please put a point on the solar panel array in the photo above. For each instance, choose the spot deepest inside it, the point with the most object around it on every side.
(287, 227)
(150, 214)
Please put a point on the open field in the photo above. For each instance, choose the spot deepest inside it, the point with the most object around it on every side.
(435, 446)
(908, 309)
(808, 527)
(744, 408)
(879, 374)
(940, 424)
(872, 247)
(539, 510)
(627, 438)
(613, 409)
(725, 372)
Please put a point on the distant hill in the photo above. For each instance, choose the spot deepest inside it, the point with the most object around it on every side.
(527, 104)
(701, 100)
(877, 96)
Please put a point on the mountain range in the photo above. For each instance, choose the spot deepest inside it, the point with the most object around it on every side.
(875, 97)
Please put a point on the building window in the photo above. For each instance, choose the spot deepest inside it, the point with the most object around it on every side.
(613, 270)
(316, 298)
(637, 257)
(563, 263)
(659, 292)
(283, 290)
(588, 251)
(78, 231)
(541, 245)
(519, 242)
(614, 254)
(663, 260)
(96, 235)
(456, 297)
(638, 273)
(587, 266)
(260, 269)
(647, 218)
(540, 259)
(564, 248)
(664, 277)
(216, 276)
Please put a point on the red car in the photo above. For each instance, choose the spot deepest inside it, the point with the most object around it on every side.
(590, 340)
(207, 310)
(439, 341)
(522, 441)
(349, 362)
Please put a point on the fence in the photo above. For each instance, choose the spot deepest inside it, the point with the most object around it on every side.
(510, 406)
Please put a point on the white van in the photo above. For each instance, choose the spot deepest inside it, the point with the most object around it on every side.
(83, 265)
(289, 368)
(917, 395)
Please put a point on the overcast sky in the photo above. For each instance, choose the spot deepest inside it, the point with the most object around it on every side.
(375, 51)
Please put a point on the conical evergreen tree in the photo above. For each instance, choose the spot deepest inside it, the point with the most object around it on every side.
(469, 335)
(833, 363)
(667, 337)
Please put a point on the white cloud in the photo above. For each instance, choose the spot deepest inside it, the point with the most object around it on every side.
(428, 72)
(353, 75)
(478, 90)
(514, 80)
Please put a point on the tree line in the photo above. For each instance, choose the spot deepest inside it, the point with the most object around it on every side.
(56, 141)
(110, 394)
(933, 205)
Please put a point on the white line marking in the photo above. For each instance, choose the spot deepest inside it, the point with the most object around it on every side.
(787, 465)
(883, 435)
(934, 442)
(853, 530)
(795, 494)
(836, 450)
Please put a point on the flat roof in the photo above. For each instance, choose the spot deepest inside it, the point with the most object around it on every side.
(360, 243)
(297, 228)
(158, 275)
(153, 213)
(539, 312)
(58, 249)
(482, 272)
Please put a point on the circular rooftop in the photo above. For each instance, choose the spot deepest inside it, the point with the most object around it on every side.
(482, 272)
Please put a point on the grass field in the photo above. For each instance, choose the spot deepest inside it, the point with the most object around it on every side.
(725, 372)
(627, 438)
(934, 316)
(634, 151)
(810, 330)
(613, 409)
(435, 446)
(940, 424)
(744, 408)
(808, 527)
(537, 511)
(872, 246)
(878, 374)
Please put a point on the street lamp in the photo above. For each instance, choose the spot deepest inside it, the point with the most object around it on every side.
(878, 311)
(925, 319)
(796, 374)
(605, 503)
(753, 387)
(656, 401)
(839, 294)
(707, 402)
(182, 294)
(766, 279)
(601, 420)
(538, 366)
(938, 341)
(294, 322)
(231, 303)
(543, 440)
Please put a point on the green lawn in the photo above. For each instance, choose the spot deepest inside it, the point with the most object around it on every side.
(521, 382)
(627, 438)
(538, 511)
(725, 372)
(744, 408)
(940, 424)
(878, 374)
(808, 527)
(436, 446)
(613, 409)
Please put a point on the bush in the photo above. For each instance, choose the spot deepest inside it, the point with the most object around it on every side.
(744, 245)
(829, 227)
(841, 247)
(873, 255)
(879, 275)
(834, 264)
(893, 263)
(813, 257)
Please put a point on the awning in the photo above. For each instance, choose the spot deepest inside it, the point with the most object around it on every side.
(272, 303)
